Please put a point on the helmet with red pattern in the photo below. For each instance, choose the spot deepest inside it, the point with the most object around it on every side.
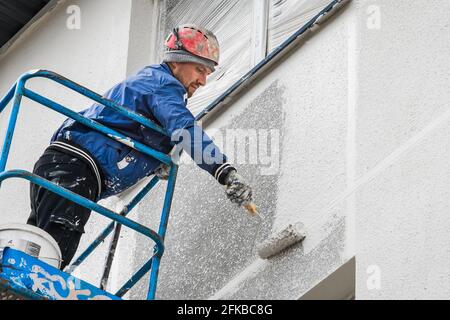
(191, 43)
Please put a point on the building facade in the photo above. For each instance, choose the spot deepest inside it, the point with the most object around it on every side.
(345, 131)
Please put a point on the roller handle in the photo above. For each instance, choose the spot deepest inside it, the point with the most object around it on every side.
(251, 209)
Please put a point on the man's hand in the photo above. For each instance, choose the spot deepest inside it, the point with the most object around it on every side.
(237, 189)
(162, 172)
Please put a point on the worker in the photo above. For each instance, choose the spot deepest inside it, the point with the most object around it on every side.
(95, 166)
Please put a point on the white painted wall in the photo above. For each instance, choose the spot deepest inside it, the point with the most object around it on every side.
(402, 141)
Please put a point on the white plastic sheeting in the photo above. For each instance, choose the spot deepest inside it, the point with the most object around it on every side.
(235, 22)
(287, 16)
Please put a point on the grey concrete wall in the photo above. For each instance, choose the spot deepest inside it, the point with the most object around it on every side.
(402, 144)
(210, 244)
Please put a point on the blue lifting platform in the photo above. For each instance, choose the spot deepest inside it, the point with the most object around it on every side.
(25, 277)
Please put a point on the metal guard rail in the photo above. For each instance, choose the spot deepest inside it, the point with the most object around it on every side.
(16, 92)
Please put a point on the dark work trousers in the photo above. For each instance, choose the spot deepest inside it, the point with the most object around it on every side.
(62, 219)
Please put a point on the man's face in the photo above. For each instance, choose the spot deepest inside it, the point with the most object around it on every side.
(191, 75)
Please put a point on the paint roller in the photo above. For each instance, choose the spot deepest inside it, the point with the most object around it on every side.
(278, 241)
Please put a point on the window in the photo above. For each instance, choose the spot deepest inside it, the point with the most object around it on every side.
(287, 16)
(247, 30)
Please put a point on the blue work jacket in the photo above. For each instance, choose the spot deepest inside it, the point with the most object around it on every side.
(157, 95)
